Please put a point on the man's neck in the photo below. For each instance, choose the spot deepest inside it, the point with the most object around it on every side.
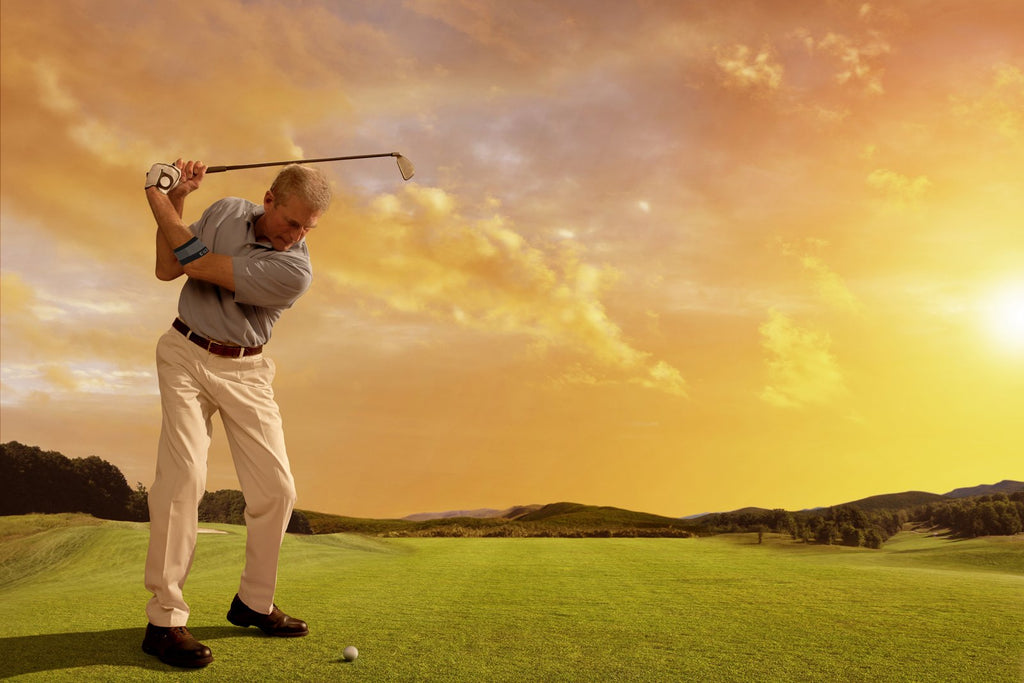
(257, 229)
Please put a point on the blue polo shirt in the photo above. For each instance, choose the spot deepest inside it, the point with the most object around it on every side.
(266, 281)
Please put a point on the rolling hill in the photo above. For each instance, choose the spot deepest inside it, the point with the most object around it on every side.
(30, 472)
(482, 513)
(554, 520)
(896, 501)
(1005, 486)
(576, 519)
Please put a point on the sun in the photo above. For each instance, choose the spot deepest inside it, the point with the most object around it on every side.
(1004, 317)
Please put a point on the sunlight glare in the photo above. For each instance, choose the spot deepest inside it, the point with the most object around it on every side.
(1005, 317)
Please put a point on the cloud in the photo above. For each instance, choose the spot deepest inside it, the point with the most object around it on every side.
(663, 377)
(485, 23)
(105, 143)
(856, 58)
(801, 369)
(59, 376)
(83, 121)
(416, 252)
(73, 380)
(15, 294)
(87, 342)
(898, 189)
(746, 70)
(828, 285)
(1000, 108)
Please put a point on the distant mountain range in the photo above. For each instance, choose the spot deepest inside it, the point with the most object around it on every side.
(885, 501)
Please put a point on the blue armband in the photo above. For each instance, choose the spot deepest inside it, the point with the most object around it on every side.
(190, 251)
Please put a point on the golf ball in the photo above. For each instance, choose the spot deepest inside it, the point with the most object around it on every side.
(350, 653)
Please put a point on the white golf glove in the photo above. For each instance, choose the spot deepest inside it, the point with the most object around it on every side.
(164, 176)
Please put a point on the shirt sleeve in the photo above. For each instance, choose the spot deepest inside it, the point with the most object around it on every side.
(199, 227)
(269, 278)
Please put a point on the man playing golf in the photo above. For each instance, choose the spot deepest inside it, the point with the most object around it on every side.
(245, 264)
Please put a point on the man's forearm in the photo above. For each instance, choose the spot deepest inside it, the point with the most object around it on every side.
(168, 220)
(178, 202)
(167, 265)
(215, 268)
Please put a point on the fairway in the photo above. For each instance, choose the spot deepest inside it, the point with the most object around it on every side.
(709, 609)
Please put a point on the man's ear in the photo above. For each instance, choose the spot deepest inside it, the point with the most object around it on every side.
(268, 199)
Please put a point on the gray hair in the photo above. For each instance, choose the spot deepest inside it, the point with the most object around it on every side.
(308, 184)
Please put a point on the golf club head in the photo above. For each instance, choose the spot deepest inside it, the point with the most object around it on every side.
(404, 167)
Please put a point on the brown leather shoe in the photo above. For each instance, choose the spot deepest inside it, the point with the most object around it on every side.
(176, 646)
(277, 623)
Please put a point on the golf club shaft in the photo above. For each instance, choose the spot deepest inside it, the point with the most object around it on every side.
(221, 169)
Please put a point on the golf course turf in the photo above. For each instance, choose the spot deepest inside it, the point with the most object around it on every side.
(720, 608)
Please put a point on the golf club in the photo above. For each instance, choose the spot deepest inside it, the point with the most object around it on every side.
(404, 165)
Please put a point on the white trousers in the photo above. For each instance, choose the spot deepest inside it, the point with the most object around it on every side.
(194, 384)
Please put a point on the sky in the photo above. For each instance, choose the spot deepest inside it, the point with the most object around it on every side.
(670, 256)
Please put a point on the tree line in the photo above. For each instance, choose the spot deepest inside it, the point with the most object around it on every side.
(35, 480)
(996, 514)
(38, 481)
(841, 525)
(227, 506)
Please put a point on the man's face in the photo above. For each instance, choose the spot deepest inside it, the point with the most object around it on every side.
(286, 223)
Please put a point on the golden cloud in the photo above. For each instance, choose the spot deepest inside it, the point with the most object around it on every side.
(417, 253)
(15, 294)
(84, 120)
(1000, 107)
(801, 369)
(829, 285)
(898, 189)
(857, 60)
(746, 70)
(96, 342)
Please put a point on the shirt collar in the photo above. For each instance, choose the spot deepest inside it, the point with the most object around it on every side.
(250, 227)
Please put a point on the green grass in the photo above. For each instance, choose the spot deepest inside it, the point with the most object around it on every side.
(710, 609)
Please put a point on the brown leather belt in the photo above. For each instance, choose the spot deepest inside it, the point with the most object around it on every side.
(212, 346)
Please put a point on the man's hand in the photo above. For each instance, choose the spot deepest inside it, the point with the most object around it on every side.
(163, 177)
(192, 173)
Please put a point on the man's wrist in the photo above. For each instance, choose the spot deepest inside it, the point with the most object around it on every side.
(179, 191)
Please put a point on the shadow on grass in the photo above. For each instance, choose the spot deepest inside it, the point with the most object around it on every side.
(118, 647)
